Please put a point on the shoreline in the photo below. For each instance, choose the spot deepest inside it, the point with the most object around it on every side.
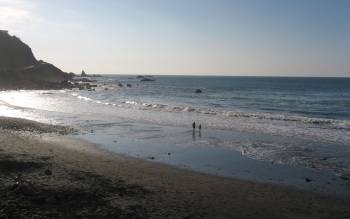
(42, 172)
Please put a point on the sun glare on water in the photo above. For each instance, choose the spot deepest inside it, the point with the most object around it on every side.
(19, 103)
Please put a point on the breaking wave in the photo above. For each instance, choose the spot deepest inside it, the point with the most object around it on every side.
(319, 122)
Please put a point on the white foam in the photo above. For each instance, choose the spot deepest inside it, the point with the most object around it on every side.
(330, 130)
(131, 102)
(83, 98)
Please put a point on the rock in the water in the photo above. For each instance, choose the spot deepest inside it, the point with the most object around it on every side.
(83, 80)
(147, 79)
(344, 178)
(198, 91)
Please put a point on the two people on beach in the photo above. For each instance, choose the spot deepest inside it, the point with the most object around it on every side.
(194, 126)
(194, 129)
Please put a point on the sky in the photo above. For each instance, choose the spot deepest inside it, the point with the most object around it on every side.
(186, 37)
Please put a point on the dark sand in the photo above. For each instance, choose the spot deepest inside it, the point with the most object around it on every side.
(52, 176)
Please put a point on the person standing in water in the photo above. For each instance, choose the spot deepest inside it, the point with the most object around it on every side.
(194, 131)
(200, 130)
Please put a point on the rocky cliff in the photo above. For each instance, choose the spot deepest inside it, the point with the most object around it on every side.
(14, 53)
(20, 69)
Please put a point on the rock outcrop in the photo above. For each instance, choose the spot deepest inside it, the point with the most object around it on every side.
(83, 74)
(19, 69)
(14, 53)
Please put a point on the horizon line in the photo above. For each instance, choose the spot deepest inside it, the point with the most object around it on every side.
(221, 75)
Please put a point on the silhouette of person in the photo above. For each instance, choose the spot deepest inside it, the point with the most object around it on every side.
(200, 130)
(194, 131)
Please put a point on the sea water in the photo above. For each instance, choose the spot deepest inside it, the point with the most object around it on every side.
(272, 129)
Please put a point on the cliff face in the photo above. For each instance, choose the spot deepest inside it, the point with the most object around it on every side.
(20, 69)
(14, 53)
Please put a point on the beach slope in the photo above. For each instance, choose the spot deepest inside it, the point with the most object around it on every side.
(45, 174)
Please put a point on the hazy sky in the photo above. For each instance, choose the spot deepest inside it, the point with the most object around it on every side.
(222, 37)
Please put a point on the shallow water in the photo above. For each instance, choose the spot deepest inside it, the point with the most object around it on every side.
(280, 130)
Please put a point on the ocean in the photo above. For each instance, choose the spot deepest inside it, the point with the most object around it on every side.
(271, 129)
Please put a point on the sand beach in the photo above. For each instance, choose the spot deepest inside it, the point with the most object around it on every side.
(47, 174)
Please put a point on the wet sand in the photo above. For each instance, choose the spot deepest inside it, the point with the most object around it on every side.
(46, 174)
